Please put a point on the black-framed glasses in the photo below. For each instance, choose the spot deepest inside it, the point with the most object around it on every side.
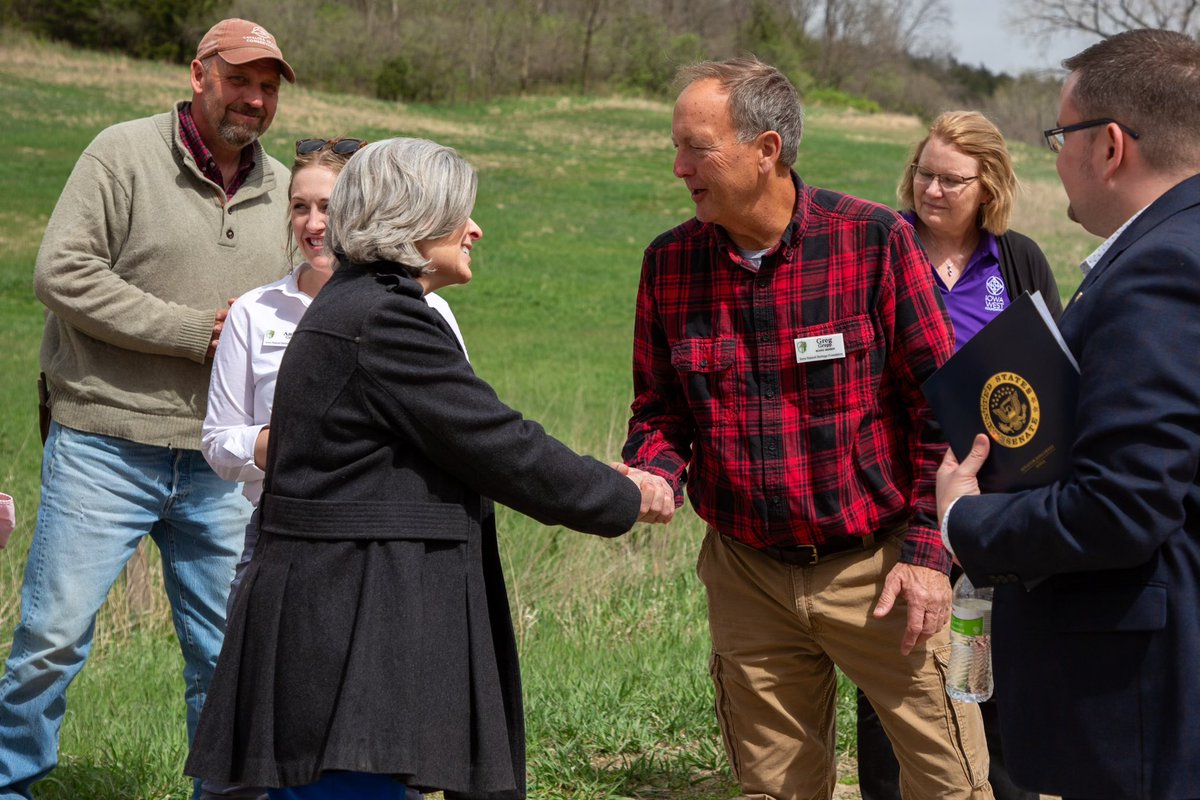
(950, 183)
(1056, 137)
(342, 147)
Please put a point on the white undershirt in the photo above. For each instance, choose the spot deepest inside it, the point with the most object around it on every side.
(754, 257)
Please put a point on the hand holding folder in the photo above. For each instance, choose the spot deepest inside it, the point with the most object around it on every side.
(1017, 382)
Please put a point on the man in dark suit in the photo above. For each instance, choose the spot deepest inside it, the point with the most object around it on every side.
(1096, 627)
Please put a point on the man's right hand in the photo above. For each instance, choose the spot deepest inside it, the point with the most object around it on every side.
(955, 480)
(218, 326)
(658, 498)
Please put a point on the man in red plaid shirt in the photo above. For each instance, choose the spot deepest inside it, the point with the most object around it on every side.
(780, 343)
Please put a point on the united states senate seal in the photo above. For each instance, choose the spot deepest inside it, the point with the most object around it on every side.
(1010, 409)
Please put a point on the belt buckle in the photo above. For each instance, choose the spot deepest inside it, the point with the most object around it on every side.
(812, 550)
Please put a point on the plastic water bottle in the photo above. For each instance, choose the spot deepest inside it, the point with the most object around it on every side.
(969, 677)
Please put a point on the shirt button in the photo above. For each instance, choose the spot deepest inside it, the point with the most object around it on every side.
(769, 393)
(229, 233)
(704, 362)
(762, 284)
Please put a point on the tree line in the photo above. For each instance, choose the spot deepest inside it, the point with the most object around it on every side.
(870, 54)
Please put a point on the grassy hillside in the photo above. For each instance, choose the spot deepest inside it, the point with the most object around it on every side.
(612, 632)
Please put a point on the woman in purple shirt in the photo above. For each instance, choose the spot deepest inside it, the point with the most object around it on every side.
(958, 192)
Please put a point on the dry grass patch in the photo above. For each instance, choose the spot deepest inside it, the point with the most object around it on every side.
(141, 84)
(1041, 207)
(330, 115)
(21, 232)
(860, 126)
(573, 134)
(1040, 212)
(155, 87)
(632, 104)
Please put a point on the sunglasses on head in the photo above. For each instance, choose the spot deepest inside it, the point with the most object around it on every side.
(342, 147)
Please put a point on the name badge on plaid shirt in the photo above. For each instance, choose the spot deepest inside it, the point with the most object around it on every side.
(819, 348)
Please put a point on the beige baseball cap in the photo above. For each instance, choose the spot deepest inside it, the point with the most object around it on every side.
(240, 41)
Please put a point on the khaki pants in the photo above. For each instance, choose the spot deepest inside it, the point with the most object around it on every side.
(777, 633)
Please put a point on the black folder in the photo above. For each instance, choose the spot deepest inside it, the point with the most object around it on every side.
(1017, 382)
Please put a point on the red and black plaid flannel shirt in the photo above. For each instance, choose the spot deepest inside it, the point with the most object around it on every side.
(780, 453)
(204, 157)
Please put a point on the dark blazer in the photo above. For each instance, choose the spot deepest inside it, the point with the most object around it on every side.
(371, 631)
(1098, 665)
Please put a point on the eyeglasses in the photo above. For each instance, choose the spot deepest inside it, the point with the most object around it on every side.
(1056, 137)
(341, 147)
(950, 183)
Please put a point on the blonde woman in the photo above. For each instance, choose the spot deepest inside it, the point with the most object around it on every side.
(958, 191)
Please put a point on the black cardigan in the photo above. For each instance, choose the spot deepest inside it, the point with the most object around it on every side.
(1024, 268)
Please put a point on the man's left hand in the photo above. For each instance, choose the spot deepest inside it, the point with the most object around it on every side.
(929, 596)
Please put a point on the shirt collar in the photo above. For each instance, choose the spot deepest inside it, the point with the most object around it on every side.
(790, 233)
(987, 240)
(204, 157)
(1091, 261)
(291, 285)
(989, 245)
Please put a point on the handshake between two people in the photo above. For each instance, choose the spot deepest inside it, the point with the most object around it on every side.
(658, 498)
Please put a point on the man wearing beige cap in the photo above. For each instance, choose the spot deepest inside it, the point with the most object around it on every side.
(162, 220)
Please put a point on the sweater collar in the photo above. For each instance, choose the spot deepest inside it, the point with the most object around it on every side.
(259, 180)
(194, 142)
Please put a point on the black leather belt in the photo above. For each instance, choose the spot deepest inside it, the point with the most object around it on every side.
(805, 555)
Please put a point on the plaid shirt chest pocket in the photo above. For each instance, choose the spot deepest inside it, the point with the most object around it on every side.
(707, 377)
(844, 383)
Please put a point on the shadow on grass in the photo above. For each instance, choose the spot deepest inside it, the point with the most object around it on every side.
(76, 779)
(663, 776)
(650, 777)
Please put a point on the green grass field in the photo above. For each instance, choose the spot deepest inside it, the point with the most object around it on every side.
(612, 633)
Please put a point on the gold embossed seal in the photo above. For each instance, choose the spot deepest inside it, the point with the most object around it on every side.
(1010, 409)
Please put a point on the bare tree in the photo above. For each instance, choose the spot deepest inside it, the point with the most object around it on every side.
(1024, 107)
(1107, 17)
(593, 20)
(530, 13)
(860, 35)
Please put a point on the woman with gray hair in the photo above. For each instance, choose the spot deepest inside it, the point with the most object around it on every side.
(370, 646)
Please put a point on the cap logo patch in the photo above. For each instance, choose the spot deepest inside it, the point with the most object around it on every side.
(260, 36)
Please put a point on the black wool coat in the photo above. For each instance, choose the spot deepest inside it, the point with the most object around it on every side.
(371, 631)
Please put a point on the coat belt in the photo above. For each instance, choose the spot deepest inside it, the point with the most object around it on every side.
(381, 519)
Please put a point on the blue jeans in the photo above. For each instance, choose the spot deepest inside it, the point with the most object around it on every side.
(100, 496)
